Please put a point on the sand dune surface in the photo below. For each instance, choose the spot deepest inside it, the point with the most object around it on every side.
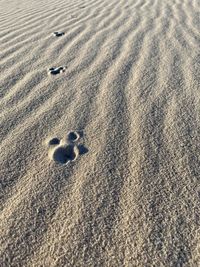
(100, 133)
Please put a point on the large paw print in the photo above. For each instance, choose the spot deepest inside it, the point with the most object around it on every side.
(66, 150)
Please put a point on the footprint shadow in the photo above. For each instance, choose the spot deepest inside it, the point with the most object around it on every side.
(54, 141)
(82, 149)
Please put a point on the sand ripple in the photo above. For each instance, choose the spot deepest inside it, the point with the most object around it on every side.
(129, 193)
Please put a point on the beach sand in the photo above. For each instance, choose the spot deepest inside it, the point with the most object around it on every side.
(100, 133)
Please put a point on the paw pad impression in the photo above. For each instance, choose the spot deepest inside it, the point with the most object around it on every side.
(65, 153)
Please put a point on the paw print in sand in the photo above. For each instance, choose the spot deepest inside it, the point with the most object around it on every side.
(58, 34)
(54, 71)
(66, 150)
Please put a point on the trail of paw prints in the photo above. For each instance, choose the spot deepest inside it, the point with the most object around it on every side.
(67, 149)
(58, 34)
(54, 71)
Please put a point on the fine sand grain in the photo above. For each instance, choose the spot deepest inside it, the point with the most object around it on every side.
(100, 133)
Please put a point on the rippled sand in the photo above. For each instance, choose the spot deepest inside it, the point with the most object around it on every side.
(100, 159)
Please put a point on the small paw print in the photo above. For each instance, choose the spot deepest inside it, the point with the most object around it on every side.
(54, 71)
(58, 34)
(66, 150)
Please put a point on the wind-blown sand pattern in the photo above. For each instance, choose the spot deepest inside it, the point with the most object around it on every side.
(126, 191)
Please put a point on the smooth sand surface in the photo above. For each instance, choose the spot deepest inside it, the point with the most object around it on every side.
(100, 133)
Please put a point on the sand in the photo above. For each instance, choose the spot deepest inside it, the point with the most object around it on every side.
(100, 133)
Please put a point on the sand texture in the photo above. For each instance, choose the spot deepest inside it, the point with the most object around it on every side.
(100, 133)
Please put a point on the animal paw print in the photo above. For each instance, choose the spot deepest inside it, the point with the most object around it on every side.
(58, 34)
(64, 151)
(54, 71)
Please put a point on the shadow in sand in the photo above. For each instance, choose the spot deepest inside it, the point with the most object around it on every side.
(82, 149)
